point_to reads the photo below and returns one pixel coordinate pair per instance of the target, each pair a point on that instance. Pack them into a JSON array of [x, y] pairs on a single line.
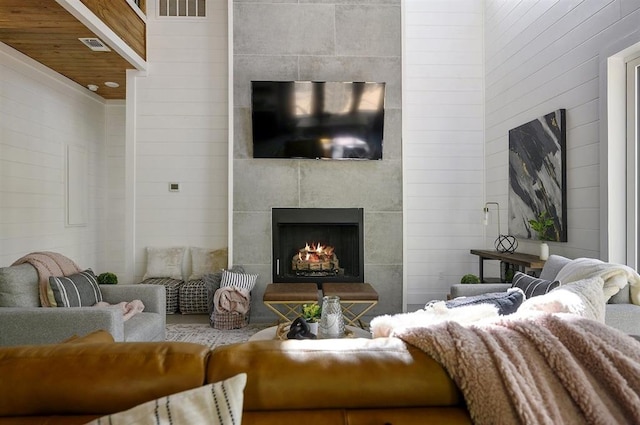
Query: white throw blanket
[[129, 309], [615, 276]]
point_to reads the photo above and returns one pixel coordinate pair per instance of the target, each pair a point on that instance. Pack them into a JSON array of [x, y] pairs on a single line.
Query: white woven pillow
[[164, 262], [218, 403]]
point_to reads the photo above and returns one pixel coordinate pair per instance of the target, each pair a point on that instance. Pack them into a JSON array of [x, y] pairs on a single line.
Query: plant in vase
[[312, 313], [541, 225]]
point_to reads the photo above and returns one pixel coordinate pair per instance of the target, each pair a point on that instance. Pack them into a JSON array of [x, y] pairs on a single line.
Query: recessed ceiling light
[[111, 84], [92, 87]]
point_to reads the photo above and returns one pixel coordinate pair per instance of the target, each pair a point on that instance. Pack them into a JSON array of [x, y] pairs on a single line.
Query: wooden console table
[[524, 262]]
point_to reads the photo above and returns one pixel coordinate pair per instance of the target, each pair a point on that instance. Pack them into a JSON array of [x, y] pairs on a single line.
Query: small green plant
[[542, 225], [311, 312], [470, 278], [107, 279]]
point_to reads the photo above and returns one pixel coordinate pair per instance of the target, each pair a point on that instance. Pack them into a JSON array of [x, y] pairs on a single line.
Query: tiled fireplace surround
[[323, 41]]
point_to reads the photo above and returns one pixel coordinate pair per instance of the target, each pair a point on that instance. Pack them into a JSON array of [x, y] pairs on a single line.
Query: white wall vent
[[95, 44], [182, 8]]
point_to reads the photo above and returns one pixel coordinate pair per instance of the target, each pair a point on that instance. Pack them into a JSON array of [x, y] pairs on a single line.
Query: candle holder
[[331, 321]]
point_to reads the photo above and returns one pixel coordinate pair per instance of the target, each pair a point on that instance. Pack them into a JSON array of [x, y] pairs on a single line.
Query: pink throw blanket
[[48, 264], [230, 299], [129, 309], [541, 369]]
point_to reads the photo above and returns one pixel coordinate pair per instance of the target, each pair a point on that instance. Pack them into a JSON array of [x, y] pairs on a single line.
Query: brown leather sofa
[[348, 381]]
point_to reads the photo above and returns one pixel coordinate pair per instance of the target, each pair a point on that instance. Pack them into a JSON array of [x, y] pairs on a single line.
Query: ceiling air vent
[[95, 44]]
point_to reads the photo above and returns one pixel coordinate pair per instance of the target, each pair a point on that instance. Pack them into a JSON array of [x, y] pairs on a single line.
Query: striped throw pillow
[[533, 286], [244, 281], [76, 290], [219, 403]]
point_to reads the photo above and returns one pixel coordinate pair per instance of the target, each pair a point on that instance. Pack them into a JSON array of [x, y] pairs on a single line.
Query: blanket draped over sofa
[[540, 369], [48, 264]]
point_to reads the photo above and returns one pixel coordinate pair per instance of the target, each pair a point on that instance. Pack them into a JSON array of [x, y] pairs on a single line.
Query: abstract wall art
[[537, 176]]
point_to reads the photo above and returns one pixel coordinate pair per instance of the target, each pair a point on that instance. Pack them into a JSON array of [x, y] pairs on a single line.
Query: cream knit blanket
[[540, 369], [48, 264]]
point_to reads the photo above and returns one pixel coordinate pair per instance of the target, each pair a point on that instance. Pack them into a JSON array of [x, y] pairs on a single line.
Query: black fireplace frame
[[312, 216]]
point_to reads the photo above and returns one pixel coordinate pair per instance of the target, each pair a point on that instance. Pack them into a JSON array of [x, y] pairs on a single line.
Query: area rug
[[204, 334]]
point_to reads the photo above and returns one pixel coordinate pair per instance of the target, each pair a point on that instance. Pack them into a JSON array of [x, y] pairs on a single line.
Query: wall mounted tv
[[318, 120]]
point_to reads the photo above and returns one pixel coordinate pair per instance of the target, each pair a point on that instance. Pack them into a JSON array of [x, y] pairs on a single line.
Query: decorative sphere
[[506, 243]]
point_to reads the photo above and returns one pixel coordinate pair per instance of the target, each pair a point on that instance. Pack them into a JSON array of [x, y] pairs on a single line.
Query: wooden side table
[[524, 262]]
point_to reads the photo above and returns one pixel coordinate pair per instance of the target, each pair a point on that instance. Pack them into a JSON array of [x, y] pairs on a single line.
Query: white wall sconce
[[503, 243]]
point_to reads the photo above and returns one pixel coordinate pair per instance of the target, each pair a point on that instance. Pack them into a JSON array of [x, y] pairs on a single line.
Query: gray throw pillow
[[507, 302], [19, 286], [533, 286], [76, 290]]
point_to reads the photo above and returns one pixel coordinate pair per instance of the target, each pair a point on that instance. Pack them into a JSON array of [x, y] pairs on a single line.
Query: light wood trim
[[123, 20]]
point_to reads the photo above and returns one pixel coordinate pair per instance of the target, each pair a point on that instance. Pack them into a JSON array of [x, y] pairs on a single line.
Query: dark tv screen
[[318, 120]]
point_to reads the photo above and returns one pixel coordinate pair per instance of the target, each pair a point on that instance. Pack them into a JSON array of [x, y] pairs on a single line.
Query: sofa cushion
[[164, 262], [217, 403], [552, 266], [205, 261], [19, 286], [76, 290], [507, 302], [622, 297], [92, 337], [533, 286]]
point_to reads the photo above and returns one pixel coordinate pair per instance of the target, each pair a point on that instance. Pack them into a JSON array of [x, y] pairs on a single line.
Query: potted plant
[[470, 278], [107, 279], [541, 225], [311, 313]]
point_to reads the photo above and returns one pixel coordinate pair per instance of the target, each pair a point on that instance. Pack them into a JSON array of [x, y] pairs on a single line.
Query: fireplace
[[317, 245]]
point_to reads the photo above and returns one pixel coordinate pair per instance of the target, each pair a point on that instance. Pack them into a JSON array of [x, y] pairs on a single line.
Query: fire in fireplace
[[318, 245], [316, 260]]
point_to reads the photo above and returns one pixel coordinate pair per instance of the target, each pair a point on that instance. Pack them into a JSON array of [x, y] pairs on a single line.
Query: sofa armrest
[[152, 296], [46, 325], [469, 290]]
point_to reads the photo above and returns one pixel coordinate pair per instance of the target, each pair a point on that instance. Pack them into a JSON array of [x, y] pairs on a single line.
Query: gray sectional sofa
[[620, 312], [24, 321]]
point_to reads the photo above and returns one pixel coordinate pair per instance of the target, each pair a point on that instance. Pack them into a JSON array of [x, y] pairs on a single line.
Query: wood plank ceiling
[[48, 33]]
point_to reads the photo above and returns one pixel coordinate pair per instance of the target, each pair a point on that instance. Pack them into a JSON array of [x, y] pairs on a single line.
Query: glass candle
[[331, 320]]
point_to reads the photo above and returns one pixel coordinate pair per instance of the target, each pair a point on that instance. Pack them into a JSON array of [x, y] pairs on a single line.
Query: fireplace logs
[[315, 258]]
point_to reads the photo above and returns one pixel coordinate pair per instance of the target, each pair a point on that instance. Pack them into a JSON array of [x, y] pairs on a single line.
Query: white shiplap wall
[[113, 239], [542, 56], [181, 134], [442, 144], [41, 113]]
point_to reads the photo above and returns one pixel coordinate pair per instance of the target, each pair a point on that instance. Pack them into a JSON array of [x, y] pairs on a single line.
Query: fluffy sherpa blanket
[[538, 369], [129, 309], [615, 276], [48, 264], [230, 299]]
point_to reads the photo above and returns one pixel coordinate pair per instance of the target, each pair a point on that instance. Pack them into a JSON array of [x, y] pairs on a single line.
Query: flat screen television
[[318, 120]]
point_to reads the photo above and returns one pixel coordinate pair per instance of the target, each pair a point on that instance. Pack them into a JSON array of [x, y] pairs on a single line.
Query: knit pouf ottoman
[[172, 287], [193, 297]]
